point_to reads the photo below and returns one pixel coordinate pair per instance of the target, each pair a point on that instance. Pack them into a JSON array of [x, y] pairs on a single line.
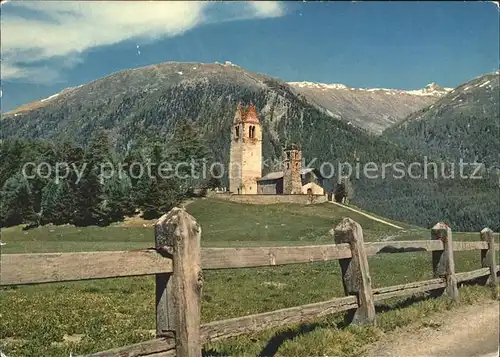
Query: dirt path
[[366, 215], [469, 332]]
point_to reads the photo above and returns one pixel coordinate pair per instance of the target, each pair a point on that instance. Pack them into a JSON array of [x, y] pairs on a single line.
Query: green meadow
[[91, 316]]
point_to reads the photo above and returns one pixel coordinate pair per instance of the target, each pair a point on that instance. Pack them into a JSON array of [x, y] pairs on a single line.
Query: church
[[245, 162]]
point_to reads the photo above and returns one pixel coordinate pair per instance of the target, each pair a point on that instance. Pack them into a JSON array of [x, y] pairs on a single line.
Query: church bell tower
[[245, 160], [292, 181]]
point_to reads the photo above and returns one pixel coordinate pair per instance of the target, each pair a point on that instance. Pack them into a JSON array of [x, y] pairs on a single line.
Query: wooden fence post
[[355, 273], [488, 256], [178, 295], [443, 263]]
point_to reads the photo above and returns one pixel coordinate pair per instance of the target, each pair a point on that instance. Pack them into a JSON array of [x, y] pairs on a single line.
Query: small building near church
[[311, 182]]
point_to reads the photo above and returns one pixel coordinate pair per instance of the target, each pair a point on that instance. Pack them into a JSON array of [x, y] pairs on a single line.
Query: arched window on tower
[[251, 132], [237, 132]]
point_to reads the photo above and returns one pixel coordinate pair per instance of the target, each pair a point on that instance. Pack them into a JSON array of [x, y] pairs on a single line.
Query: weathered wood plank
[[464, 246], [20, 269], [355, 273], [473, 274], [415, 284], [488, 256], [426, 285], [419, 245], [148, 348], [407, 289], [221, 258], [253, 323], [373, 248], [163, 354], [179, 297], [443, 263], [229, 258]]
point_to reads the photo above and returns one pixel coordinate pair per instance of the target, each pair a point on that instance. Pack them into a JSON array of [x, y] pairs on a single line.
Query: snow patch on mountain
[[49, 98], [318, 85], [484, 84], [431, 89]]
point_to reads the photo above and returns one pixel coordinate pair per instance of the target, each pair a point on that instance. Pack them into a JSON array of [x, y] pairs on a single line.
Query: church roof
[[279, 174], [246, 115], [272, 176], [252, 116]]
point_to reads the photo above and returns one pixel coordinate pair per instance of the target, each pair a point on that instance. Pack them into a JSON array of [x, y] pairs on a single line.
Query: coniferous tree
[[49, 202], [117, 193], [160, 191], [91, 207], [214, 181], [340, 192], [189, 151], [16, 202]]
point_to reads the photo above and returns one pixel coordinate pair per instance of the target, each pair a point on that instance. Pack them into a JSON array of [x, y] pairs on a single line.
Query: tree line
[[81, 194]]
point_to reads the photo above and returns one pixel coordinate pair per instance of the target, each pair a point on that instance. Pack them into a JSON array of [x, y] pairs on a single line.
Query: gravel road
[[469, 332]]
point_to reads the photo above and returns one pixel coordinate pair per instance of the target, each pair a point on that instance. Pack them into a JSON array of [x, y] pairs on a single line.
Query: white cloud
[[67, 28], [267, 8]]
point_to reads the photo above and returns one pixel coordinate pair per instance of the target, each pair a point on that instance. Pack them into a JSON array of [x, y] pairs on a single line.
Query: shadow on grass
[[273, 345], [277, 340], [407, 302]]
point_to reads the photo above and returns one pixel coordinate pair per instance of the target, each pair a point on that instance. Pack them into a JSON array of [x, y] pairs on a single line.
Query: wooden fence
[[177, 262]]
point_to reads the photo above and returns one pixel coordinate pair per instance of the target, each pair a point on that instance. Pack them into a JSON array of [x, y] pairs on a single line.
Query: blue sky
[[52, 45]]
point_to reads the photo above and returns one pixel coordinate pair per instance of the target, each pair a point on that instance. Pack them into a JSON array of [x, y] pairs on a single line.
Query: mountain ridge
[[372, 109], [431, 89], [133, 106]]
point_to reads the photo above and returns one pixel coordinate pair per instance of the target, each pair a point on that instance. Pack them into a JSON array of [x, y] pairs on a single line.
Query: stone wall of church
[[259, 199]]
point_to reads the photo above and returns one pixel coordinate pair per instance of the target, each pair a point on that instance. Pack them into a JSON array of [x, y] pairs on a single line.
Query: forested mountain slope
[[134, 106], [373, 109], [465, 124]]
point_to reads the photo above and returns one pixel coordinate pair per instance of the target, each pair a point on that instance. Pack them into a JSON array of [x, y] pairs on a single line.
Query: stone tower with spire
[[292, 182], [245, 159]]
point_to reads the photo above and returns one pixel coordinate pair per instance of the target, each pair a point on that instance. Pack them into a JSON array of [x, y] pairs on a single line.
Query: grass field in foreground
[[83, 317]]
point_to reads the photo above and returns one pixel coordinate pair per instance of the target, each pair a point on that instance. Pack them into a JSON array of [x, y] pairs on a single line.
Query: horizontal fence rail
[[23, 269], [159, 347], [62, 267]]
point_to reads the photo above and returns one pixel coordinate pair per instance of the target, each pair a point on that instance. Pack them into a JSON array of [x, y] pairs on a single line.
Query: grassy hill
[[223, 224]]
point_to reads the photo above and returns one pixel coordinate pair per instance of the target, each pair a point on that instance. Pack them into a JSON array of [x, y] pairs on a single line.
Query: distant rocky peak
[[434, 87]]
